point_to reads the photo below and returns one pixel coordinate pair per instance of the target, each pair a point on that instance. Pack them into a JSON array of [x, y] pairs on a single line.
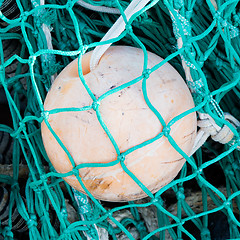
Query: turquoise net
[[201, 37]]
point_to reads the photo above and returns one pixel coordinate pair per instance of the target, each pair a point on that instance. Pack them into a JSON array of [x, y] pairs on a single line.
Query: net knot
[[217, 15], [69, 5], [7, 232], [110, 230], [188, 49], [75, 172], [178, 4], [140, 226], [199, 172], [35, 32], [128, 28], [121, 157], [236, 18], [16, 134], [205, 233], [236, 73], [1, 69], [189, 14], [24, 16], [180, 194], [15, 186], [182, 221], [166, 130], [219, 63], [109, 213], [228, 170], [227, 204], [220, 19], [146, 73], [157, 200], [32, 221], [32, 59], [64, 213], [38, 22], [95, 105], [17, 87], [42, 218], [45, 115], [223, 22]]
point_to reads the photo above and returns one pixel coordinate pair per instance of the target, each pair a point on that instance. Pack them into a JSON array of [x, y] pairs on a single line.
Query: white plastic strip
[[117, 28], [95, 8]]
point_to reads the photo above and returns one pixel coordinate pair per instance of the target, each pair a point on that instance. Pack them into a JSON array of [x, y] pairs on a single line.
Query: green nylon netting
[[209, 32]]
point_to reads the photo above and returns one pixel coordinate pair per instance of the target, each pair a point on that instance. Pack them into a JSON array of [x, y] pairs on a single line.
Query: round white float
[[129, 120]]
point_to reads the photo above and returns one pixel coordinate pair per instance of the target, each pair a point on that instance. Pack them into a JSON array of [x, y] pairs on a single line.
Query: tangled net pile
[[199, 38]]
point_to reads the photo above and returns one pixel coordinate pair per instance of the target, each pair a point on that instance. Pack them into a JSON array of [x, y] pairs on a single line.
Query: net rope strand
[[199, 38]]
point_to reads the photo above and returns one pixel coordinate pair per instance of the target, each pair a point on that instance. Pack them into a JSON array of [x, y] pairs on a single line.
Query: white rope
[[208, 127], [117, 28], [95, 8]]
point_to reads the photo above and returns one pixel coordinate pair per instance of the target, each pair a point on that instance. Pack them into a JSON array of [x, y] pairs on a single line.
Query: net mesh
[[199, 38]]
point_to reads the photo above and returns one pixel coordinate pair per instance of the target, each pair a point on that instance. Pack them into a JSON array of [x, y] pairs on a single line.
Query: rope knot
[[220, 19], [219, 63], [17, 134], [166, 130], [236, 18], [217, 15], [32, 59], [227, 204], [45, 115], [121, 158], [128, 28], [32, 221], [110, 230], [7, 232], [24, 16], [42, 218], [95, 105], [75, 172], [205, 233], [178, 4], [15, 186], [38, 22], [1, 69], [180, 194], [157, 200], [189, 14], [64, 213], [140, 226], [222, 134], [69, 5], [146, 73]]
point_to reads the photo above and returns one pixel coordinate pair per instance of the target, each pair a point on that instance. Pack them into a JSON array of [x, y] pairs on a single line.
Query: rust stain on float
[[98, 183]]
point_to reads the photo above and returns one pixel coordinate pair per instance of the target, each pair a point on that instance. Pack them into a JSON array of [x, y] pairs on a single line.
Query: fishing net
[[38, 39]]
